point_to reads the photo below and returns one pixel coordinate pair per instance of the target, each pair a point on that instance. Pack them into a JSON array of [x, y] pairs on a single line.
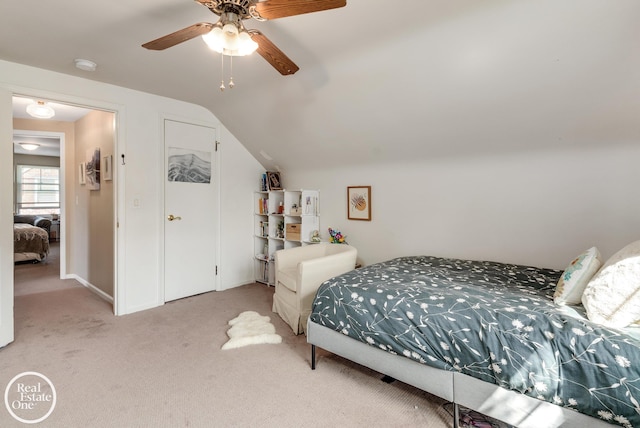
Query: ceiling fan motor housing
[[245, 9]]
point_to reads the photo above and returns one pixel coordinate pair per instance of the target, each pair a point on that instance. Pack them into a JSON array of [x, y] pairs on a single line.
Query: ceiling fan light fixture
[[41, 110], [247, 45], [230, 30], [224, 43], [229, 37], [214, 39], [230, 41]]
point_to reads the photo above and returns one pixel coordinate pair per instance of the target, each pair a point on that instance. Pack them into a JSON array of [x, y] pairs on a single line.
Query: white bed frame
[[462, 390]]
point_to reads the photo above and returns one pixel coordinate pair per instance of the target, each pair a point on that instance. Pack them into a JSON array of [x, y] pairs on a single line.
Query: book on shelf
[[263, 206]]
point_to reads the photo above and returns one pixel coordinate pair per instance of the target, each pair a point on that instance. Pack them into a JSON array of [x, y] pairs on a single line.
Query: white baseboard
[[238, 284], [139, 308], [91, 287]]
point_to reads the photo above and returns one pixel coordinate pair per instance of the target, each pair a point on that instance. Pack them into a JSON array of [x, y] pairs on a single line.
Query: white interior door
[[191, 210]]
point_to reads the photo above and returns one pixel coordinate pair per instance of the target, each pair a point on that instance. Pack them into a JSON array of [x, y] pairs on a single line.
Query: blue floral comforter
[[493, 321]]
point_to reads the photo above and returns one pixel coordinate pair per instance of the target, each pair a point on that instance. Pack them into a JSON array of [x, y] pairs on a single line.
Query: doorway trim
[[119, 294], [63, 190]]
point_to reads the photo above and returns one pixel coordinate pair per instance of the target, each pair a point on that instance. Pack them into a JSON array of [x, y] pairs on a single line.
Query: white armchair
[[299, 273]]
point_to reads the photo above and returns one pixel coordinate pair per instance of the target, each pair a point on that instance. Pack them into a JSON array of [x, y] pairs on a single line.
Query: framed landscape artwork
[[359, 203], [189, 166]]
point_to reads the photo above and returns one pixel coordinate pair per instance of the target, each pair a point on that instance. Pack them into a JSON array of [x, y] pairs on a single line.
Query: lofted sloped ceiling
[[379, 81]]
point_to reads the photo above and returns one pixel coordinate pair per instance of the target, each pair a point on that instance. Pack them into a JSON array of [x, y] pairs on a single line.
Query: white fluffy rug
[[250, 328]]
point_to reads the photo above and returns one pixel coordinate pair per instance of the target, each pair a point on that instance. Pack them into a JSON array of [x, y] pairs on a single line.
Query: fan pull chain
[[231, 84], [222, 73]]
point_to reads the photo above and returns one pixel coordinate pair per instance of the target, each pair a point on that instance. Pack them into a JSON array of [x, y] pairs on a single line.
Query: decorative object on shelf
[[315, 236], [336, 237], [264, 229], [263, 183], [293, 232], [280, 229], [295, 210], [359, 203], [273, 180], [311, 205]]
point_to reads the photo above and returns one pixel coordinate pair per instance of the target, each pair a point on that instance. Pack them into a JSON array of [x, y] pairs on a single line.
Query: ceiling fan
[[229, 36]]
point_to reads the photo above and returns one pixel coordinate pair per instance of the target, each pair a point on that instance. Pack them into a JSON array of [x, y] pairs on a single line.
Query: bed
[[484, 335], [30, 243]]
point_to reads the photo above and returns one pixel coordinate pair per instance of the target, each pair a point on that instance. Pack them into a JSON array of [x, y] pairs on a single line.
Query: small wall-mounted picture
[[82, 177], [359, 203], [273, 180], [189, 166], [92, 168], [108, 165]]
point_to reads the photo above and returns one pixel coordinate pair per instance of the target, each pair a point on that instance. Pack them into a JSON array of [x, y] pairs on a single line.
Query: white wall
[[139, 137], [6, 220], [241, 177], [538, 208]]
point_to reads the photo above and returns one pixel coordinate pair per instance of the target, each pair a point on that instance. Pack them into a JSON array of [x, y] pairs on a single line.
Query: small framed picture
[[273, 180], [359, 203], [108, 174], [82, 174]]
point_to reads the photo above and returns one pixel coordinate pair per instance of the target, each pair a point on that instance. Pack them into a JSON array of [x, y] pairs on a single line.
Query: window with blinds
[[37, 189]]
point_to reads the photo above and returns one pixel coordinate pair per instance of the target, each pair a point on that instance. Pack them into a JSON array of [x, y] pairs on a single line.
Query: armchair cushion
[[299, 273], [288, 278]]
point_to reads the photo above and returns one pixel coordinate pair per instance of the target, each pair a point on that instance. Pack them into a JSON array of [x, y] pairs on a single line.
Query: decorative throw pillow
[[612, 297], [576, 277]]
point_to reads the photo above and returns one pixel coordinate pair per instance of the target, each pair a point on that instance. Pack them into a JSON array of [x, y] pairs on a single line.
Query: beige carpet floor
[[31, 278], [164, 368]]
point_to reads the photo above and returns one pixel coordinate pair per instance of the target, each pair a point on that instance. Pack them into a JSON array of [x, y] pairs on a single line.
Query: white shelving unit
[[282, 219]]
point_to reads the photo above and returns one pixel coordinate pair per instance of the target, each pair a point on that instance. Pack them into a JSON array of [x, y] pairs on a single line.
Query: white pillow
[[612, 297], [576, 277]]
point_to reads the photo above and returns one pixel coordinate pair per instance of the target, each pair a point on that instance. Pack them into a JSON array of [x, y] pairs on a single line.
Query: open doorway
[[81, 233]]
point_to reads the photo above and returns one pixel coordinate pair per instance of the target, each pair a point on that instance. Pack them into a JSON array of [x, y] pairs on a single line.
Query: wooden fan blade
[[273, 9], [272, 54], [179, 36]]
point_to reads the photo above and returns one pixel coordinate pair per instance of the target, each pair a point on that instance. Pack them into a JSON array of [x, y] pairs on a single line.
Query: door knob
[[171, 217]]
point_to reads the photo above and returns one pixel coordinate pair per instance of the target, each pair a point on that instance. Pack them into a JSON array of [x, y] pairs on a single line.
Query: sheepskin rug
[[250, 328]]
